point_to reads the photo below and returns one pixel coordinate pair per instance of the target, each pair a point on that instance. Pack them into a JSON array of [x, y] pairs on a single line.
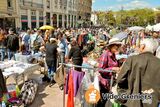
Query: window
[[41, 14], [9, 3], [60, 4], [48, 3], [23, 12], [33, 13], [56, 3], [22, 2]]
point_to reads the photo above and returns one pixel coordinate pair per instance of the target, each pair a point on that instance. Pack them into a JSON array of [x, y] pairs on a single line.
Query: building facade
[[84, 10], [31, 13], [94, 18], [35, 13], [8, 13]]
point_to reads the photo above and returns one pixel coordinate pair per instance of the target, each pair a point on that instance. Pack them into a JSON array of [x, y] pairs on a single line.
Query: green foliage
[[158, 17], [106, 18], [136, 17]]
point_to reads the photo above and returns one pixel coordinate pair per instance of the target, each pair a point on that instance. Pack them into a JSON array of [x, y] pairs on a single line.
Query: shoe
[[53, 81], [45, 78], [48, 80], [61, 87]]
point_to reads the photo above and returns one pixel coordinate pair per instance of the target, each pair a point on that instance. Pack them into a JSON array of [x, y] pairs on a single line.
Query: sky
[[126, 4]]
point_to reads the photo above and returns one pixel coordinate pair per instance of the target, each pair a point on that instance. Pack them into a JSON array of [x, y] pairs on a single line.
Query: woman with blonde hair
[[47, 36]]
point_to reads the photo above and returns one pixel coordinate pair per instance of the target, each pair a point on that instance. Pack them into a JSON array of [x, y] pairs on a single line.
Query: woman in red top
[[108, 61]]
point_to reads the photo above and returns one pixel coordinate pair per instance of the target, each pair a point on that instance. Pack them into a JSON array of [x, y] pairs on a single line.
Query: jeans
[[50, 72], [62, 57], [51, 69], [11, 54], [2, 51]]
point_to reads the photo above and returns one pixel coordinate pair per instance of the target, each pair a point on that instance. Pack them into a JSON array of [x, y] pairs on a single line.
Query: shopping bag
[[13, 90], [86, 82], [28, 92], [60, 75], [96, 82], [116, 104]]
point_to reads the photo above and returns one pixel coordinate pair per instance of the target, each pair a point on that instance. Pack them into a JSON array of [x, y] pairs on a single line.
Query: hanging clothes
[[70, 102], [77, 79], [88, 80]]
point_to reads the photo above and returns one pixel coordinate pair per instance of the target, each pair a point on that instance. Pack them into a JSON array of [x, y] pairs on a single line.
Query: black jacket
[[51, 53], [13, 42], [140, 73], [75, 53]]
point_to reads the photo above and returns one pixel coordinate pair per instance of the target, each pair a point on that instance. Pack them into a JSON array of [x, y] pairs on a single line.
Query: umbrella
[[135, 28], [46, 27], [121, 36], [156, 27]]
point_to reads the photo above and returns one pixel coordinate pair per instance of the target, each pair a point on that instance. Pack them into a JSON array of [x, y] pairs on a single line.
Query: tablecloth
[[20, 70]]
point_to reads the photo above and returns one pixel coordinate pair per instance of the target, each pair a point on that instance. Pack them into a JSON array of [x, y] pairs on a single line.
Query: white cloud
[[130, 5], [93, 1], [136, 4]]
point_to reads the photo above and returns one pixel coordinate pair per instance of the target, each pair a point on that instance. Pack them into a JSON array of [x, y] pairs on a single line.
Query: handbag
[[28, 92]]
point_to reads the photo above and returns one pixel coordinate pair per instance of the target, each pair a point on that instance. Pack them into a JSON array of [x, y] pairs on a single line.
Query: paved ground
[[46, 96]]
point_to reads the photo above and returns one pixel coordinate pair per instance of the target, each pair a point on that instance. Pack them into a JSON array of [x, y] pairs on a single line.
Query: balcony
[[10, 9], [31, 4]]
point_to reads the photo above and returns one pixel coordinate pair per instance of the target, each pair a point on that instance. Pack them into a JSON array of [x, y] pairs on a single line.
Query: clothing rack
[[92, 68]]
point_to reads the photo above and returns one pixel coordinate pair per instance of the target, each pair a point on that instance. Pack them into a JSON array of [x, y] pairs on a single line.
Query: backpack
[[13, 42], [28, 92], [36, 44]]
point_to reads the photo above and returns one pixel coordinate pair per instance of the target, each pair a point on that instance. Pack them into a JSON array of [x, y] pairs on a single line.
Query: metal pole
[[92, 68]]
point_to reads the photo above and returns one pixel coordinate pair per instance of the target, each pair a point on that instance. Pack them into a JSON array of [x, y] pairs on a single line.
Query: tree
[[136, 17], [157, 17], [106, 18]]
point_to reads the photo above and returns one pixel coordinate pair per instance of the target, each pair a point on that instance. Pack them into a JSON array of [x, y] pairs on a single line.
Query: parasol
[[46, 27], [121, 36]]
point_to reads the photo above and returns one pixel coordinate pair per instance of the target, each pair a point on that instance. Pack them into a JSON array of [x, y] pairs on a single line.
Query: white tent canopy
[[156, 27], [136, 28], [149, 27]]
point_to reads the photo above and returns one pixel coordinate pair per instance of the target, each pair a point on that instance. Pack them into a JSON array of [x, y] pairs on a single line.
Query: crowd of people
[[134, 75]]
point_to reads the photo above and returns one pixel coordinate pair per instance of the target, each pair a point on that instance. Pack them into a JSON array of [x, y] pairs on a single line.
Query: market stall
[[17, 69]]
